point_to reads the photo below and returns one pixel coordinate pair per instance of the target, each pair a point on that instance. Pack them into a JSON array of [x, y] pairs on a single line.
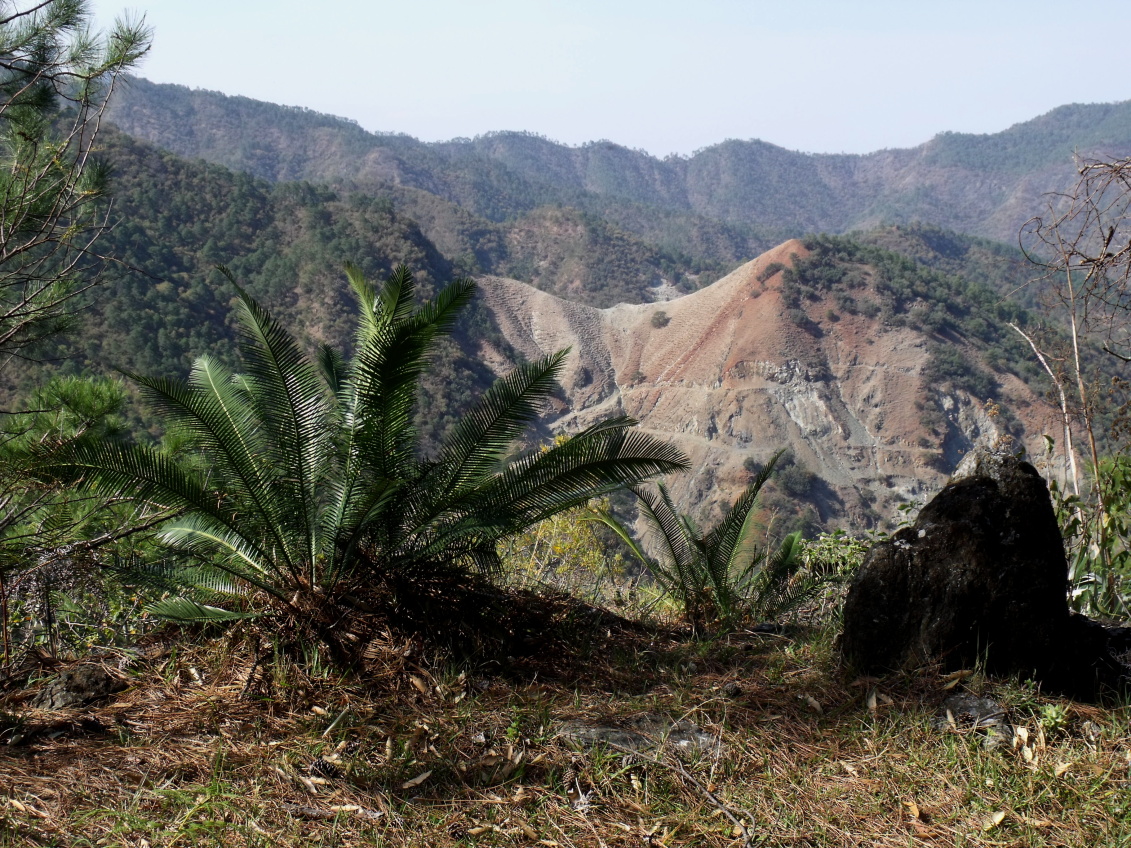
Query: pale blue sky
[[664, 76]]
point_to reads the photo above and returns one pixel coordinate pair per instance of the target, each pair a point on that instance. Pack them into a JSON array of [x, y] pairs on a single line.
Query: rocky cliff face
[[728, 373]]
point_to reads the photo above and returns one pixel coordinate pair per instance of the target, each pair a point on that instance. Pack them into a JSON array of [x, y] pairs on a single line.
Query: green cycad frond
[[138, 472], [233, 551], [188, 611], [333, 368], [217, 413], [479, 442], [776, 589], [601, 459], [722, 573], [366, 296], [218, 423], [732, 544], [376, 444], [397, 298], [674, 565], [350, 525], [179, 577], [291, 407], [385, 375]]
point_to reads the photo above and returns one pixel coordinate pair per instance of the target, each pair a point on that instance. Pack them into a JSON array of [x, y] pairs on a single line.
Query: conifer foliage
[[56, 80]]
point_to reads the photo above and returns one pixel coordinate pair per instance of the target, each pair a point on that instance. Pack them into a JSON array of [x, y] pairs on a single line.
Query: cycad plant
[[309, 500], [720, 576]]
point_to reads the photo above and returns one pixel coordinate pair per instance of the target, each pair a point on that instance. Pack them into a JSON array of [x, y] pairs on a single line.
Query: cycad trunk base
[[307, 500]]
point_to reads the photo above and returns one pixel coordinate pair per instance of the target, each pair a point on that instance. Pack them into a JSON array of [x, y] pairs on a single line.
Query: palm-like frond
[[478, 444], [215, 410], [387, 366], [778, 588], [189, 611], [675, 565], [723, 573], [291, 408], [311, 489], [732, 542], [600, 459]]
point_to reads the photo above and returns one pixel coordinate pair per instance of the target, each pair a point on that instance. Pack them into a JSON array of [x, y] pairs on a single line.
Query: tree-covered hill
[[984, 185], [287, 242]]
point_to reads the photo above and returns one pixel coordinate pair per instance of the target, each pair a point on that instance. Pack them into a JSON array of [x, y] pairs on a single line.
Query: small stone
[[970, 713], [640, 733], [78, 687]]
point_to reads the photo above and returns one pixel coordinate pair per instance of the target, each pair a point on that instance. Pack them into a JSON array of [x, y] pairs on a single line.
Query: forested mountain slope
[[985, 185], [175, 220], [931, 327]]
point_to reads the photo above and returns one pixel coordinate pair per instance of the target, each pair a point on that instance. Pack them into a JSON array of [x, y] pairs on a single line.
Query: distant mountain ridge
[[918, 306], [985, 185]]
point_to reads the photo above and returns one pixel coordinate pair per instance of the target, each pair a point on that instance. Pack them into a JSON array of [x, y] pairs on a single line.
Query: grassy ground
[[192, 756]]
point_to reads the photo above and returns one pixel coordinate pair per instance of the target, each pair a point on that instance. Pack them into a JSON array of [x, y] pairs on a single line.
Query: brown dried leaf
[[956, 677], [416, 781], [993, 820]]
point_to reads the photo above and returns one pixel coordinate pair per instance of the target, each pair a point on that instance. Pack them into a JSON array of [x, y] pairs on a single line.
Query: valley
[[662, 277]]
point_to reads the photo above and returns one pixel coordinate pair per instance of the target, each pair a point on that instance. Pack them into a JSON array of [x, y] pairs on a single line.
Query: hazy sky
[[667, 77]]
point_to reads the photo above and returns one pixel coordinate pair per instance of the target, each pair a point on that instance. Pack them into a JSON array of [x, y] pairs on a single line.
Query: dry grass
[[186, 758]]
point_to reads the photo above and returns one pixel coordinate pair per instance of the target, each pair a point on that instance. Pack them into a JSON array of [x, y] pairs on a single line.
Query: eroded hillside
[[732, 373]]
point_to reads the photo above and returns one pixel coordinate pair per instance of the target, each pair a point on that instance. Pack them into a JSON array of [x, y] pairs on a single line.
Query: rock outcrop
[[979, 579]]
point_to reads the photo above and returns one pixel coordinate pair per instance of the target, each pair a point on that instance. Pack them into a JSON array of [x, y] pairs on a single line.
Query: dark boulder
[[980, 578]]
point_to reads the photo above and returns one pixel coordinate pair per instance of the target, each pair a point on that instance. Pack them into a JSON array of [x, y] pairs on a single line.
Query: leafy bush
[[1098, 541], [795, 479], [769, 271]]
